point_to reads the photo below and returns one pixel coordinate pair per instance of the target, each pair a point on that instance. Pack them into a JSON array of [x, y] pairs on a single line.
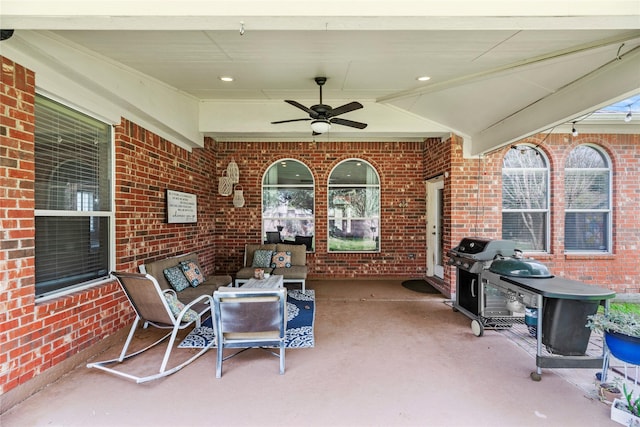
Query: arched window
[[354, 208], [525, 198], [587, 191], [288, 204]]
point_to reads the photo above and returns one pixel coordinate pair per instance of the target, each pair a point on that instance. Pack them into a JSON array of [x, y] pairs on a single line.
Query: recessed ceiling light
[[226, 78], [423, 78]]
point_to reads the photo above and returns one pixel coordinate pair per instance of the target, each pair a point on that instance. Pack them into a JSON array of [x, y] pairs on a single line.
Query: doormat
[[300, 318], [420, 285]]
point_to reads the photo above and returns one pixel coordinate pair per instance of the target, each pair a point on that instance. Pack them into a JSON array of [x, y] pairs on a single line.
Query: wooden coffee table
[[272, 282]]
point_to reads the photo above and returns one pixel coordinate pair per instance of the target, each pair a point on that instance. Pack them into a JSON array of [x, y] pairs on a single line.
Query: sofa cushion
[[293, 272], [298, 253], [211, 283], [192, 272], [262, 258], [281, 260], [250, 249], [176, 278], [177, 306]]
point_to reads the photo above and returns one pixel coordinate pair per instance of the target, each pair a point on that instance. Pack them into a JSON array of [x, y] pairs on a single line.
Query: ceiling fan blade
[[292, 120], [350, 123], [309, 111], [344, 109]]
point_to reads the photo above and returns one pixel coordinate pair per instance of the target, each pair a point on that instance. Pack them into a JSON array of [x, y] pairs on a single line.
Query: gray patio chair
[[249, 318], [152, 308]]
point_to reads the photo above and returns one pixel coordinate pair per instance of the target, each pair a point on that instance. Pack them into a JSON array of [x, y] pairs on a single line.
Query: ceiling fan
[[322, 116]]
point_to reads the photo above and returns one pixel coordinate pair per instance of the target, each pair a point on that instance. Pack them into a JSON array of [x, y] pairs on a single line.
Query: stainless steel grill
[[487, 304]]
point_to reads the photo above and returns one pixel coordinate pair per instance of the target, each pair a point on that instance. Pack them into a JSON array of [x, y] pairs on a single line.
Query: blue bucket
[[623, 347]]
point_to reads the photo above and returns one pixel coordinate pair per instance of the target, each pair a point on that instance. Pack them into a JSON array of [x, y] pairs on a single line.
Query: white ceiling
[[500, 70]]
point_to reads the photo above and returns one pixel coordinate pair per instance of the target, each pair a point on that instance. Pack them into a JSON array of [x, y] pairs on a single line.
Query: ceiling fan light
[[320, 126]]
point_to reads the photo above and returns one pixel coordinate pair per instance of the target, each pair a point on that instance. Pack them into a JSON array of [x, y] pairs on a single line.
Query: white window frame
[[378, 186], [110, 214], [547, 211], [311, 186], [608, 210]]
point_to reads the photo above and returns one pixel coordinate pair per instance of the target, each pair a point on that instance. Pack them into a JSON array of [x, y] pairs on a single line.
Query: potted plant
[[621, 332], [626, 411], [609, 392]]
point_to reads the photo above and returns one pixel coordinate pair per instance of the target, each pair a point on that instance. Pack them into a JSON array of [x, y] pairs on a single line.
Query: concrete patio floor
[[384, 356]]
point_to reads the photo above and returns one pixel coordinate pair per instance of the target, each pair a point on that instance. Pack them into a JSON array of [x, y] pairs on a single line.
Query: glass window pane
[[587, 200], [586, 231], [72, 154], [70, 250], [525, 198], [523, 156], [354, 202], [354, 208], [72, 175], [584, 156], [288, 172], [353, 235], [524, 189], [586, 189], [288, 201], [353, 172], [527, 229]]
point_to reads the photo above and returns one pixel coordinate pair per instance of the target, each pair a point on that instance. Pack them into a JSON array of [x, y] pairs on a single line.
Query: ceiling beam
[[621, 76]]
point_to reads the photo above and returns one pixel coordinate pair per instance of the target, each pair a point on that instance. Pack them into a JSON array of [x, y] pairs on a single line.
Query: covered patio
[[383, 355]]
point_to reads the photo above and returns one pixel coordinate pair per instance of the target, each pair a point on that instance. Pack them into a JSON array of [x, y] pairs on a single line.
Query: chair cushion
[[176, 278], [281, 259], [262, 258], [176, 307], [192, 272]]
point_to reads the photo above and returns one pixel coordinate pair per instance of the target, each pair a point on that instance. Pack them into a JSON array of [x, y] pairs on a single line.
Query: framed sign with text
[[181, 207]]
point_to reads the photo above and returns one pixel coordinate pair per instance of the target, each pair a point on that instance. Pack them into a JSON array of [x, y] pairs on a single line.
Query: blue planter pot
[[623, 347]]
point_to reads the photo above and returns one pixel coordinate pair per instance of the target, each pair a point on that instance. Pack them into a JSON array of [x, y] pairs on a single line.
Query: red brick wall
[[39, 336], [146, 166], [479, 213], [620, 270], [402, 230]]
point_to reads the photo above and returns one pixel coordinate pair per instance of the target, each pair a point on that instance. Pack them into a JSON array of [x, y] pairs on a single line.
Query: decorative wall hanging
[[238, 197], [181, 207], [225, 186], [232, 172]]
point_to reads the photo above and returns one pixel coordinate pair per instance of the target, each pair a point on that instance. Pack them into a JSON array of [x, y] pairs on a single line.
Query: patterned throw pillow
[[261, 258], [192, 272], [281, 259], [176, 278], [176, 307]]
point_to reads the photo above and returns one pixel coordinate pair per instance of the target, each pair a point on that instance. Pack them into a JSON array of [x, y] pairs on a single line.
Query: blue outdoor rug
[[300, 317]]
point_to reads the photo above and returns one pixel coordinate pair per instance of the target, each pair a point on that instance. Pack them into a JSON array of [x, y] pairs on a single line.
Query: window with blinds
[[587, 190], [525, 198], [72, 197]]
